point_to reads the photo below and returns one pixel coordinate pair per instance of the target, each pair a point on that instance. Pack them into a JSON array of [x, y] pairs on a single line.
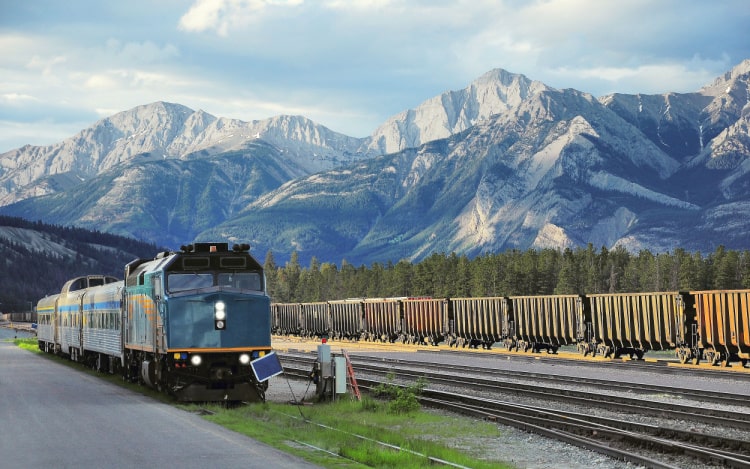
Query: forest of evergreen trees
[[29, 275], [531, 272]]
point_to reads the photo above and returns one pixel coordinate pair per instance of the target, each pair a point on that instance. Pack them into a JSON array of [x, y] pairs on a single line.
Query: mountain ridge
[[506, 162]]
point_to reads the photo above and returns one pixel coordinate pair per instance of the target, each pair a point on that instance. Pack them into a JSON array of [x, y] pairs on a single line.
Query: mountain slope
[[169, 200]]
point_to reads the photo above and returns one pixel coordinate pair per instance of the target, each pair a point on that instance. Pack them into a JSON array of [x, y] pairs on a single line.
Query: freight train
[[701, 325], [189, 323]]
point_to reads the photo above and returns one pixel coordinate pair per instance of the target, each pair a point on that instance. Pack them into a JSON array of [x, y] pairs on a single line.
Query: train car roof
[[87, 281]]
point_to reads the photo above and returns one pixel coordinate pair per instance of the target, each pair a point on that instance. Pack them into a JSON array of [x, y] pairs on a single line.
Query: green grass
[[29, 343], [350, 434]]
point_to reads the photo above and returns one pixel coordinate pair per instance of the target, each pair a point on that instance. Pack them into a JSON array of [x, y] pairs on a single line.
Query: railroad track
[[619, 438], [488, 378]]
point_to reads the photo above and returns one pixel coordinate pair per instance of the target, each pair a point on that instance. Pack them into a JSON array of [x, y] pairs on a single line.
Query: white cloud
[[222, 16], [11, 99], [347, 64]]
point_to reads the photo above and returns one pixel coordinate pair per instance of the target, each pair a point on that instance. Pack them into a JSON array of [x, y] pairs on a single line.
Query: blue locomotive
[[188, 323]]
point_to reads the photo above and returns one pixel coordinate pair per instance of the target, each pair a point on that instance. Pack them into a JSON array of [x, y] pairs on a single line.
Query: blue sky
[[348, 65]]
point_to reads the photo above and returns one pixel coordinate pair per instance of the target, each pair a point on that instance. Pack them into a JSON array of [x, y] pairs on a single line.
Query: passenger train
[[712, 326], [188, 323]]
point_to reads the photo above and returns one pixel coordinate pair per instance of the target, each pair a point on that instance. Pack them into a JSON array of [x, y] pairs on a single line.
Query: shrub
[[403, 399]]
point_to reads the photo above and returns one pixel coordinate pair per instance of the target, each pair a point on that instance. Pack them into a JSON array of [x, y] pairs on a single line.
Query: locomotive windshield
[[182, 281]]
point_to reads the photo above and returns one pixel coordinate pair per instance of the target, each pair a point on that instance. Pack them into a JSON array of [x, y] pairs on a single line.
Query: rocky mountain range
[[506, 163]]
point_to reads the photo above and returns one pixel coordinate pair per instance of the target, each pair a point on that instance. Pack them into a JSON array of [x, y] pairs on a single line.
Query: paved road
[[55, 416]]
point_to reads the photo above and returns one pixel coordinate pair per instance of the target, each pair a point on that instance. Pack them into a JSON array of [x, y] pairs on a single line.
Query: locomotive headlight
[[244, 359], [220, 315], [220, 312], [196, 360]]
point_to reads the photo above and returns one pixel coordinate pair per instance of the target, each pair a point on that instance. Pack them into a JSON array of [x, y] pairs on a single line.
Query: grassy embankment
[[351, 434]]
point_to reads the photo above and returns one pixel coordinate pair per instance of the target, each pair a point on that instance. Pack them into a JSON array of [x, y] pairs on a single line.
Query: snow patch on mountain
[[612, 183]]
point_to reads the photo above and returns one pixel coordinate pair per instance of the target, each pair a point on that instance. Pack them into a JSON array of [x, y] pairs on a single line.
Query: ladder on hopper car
[[351, 381]]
